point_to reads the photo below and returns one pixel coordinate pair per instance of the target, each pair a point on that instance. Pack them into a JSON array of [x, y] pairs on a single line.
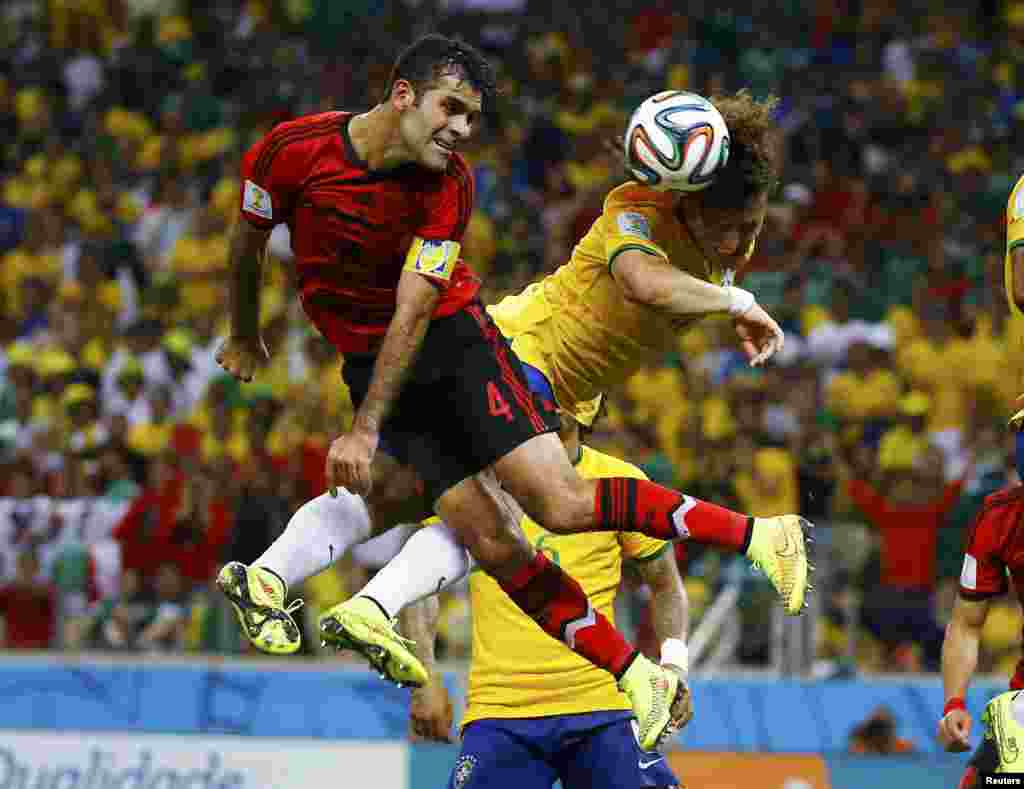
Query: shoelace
[[294, 606]]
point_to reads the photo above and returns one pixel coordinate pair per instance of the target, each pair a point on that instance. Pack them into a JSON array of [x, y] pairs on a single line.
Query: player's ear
[[403, 95]]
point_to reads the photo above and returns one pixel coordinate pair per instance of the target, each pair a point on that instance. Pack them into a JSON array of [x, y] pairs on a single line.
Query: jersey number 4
[[497, 404]]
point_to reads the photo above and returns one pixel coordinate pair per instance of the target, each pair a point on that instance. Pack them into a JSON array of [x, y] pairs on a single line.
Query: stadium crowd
[[132, 467]]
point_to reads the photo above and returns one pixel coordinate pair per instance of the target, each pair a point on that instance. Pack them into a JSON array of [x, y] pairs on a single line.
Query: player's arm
[[243, 351], [269, 175], [417, 297], [430, 708], [350, 456], [670, 614], [959, 660], [650, 280]]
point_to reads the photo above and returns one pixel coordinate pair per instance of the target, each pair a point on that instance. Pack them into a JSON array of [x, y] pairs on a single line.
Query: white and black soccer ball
[[676, 141]]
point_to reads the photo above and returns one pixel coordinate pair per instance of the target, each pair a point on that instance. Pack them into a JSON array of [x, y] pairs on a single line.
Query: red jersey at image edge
[[352, 227], [995, 549]]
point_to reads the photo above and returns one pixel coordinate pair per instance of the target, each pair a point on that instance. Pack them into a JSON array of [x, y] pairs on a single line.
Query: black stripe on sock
[[749, 535]]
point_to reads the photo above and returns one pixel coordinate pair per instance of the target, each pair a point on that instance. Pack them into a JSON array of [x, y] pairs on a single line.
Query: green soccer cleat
[[257, 595], [1004, 725], [359, 624], [653, 692], [777, 549]]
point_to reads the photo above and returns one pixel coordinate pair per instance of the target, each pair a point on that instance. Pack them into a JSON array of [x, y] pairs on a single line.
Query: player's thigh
[[486, 526], [609, 758], [539, 475], [494, 758], [491, 407]]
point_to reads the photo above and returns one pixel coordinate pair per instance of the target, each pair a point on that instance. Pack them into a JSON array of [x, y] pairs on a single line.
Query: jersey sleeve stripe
[[626, 247], [651, 556], [274, 146]]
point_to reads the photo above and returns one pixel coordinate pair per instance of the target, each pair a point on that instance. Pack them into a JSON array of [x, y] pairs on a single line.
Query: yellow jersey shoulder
[[635, 195], [1015, 215], [596, 465]]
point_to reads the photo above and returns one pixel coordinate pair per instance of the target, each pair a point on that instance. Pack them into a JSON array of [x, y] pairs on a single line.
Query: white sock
[[431, 561], [318, 534]]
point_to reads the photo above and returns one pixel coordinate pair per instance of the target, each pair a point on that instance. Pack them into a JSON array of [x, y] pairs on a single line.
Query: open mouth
[[444, 146]]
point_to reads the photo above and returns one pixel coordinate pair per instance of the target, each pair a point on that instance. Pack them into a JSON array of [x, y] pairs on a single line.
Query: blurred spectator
[[28, 606], [877, 736], [114, 622], [166, 631], [907, 516]]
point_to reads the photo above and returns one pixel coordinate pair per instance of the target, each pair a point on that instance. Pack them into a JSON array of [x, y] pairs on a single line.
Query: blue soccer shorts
[[590, 751]]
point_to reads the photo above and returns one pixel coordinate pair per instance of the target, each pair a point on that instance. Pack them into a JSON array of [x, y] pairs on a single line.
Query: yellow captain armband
[[435, 259]]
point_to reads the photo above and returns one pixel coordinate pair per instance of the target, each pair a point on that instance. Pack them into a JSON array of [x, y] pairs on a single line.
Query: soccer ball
[[676, 141]]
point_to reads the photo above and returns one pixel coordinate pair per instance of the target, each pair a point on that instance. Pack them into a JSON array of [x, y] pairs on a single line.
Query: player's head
[[440, 87], [726, 217]]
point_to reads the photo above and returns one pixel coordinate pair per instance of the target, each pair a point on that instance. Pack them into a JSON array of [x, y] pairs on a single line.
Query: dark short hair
[[433, 56]]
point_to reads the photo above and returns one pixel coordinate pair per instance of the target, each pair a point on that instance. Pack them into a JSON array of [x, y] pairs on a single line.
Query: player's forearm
[[398, 352], [419, 622], [959, 658], [670, 609], [669, 290], [246, 279]]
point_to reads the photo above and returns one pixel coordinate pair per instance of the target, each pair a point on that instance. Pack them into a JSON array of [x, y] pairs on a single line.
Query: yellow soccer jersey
[[518, 671], [1014, 238], [577, 327]]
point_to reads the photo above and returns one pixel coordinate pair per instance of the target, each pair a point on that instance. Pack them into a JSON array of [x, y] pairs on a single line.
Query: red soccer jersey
[[995, 547], [352, 228]]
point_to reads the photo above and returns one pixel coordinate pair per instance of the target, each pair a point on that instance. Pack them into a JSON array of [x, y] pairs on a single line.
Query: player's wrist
[[675, 653], [955, 703], [740, 301]]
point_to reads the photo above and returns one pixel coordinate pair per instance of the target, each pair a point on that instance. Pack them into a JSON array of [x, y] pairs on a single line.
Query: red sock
[[626, 504], [557, 603]]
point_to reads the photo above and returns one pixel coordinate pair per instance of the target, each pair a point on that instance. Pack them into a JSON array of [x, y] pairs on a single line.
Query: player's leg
[[540, 477], [500, 754], [608, 756], [431, 560], [318, 534]]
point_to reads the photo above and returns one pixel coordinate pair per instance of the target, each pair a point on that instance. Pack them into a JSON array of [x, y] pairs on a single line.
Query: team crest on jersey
[[463, 770], [1018, 204], [256, 200], [633, 224], [969, 572], [433, 258]]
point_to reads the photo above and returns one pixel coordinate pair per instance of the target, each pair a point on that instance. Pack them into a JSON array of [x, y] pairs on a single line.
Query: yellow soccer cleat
[[1004, 725], [359, 624], [653, 692], [777, 549], [257, 595]]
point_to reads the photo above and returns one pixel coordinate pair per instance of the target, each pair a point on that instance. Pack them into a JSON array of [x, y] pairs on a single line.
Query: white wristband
[[740, 301], [675, 653]]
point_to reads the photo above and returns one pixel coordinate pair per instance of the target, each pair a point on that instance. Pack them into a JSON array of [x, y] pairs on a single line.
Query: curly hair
[[433, 56], [753, 165]]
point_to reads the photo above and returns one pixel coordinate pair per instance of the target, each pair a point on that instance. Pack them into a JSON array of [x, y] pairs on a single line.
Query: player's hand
[[682, 709], [241, 356], [349, 461], [955, 731], [430, 713], [760, 336]]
